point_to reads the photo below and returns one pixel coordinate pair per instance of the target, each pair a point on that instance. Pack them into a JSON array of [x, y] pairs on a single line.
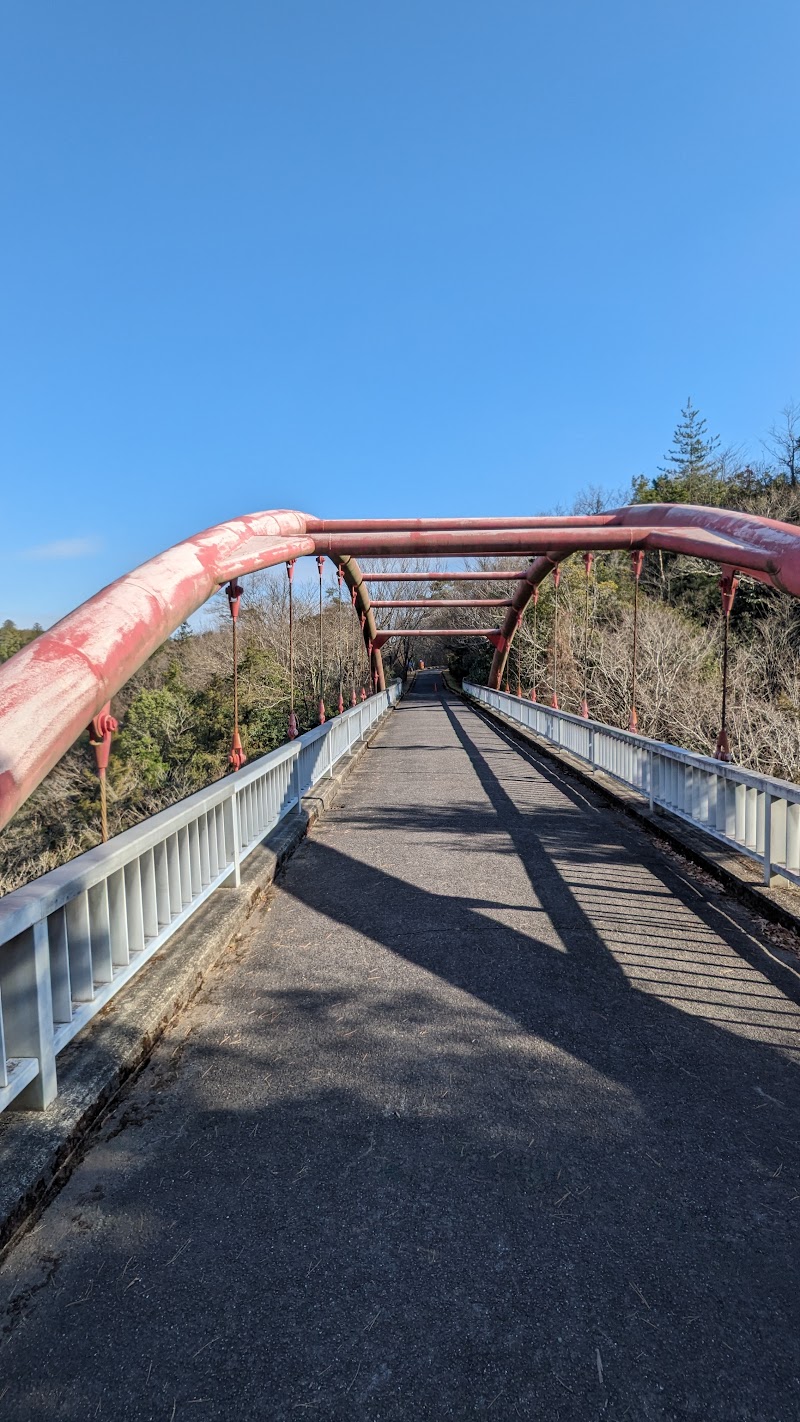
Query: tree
[[12, 638], [784, 443], [695, 472], [596, 499], [692, 457]]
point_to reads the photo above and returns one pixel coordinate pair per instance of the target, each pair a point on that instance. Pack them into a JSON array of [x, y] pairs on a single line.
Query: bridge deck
[[493, 1112]]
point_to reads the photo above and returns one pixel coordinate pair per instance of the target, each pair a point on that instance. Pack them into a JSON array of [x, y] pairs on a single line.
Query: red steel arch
[[50, 690]]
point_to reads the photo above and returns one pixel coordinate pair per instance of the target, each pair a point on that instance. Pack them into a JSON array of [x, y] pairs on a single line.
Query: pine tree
[[692, 461]]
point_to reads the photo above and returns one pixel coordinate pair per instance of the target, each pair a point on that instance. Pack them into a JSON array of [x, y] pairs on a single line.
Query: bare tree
[[784, 442]]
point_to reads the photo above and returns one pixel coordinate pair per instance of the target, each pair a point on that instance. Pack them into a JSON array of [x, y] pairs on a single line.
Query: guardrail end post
[[28, 1016]]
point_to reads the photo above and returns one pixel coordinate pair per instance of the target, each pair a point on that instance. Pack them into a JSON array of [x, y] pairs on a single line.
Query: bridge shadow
[[436, 1144], [665, 1129], [553, 844]]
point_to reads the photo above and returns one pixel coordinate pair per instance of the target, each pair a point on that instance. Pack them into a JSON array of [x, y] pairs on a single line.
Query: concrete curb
[[738, 874], [38, 1150]]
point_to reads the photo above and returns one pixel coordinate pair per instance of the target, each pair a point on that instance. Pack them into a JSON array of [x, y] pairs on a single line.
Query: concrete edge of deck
[[738, 874], [39, 1150]]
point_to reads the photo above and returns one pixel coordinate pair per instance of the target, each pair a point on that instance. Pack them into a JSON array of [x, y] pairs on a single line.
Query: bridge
[[491, 1108]]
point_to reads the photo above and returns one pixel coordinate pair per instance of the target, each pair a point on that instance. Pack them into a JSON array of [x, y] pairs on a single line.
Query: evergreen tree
[[694, 472], [691, 460]]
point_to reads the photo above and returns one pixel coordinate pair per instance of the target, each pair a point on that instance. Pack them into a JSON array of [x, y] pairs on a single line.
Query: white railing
[[750, 813], [71, 939]]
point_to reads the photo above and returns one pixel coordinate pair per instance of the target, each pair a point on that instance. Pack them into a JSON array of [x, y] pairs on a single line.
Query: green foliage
[[176, 722], [12, 638], [156, 735]]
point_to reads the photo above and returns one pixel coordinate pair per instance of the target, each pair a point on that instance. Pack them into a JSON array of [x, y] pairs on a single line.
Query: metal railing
[[752, 814], [70, 940]]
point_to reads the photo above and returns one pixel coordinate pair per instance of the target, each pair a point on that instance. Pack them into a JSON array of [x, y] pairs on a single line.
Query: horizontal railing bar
[[125, 899], [83, 1012], [754, 813], [786, 788], [23, 907]]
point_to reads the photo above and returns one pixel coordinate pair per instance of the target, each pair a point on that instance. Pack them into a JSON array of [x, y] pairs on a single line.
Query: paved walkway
[[494, 1112]]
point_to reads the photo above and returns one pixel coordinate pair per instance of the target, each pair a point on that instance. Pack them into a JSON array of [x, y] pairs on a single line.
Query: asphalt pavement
[[492, 1111]]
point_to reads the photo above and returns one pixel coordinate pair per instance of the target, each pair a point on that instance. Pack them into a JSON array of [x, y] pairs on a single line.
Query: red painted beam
[[445, 576], [416, 525], [453, 543], [448, 602], [385, 633], [560, 543]]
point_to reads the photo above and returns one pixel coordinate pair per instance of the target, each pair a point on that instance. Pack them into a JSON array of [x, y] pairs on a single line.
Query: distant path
[[494, 1113]]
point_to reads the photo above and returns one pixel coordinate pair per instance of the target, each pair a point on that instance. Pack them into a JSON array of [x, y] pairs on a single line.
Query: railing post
[[296, 780], [29, 1012], [767, 838], [237, 841], [230, 813], [591, 748], [650, 777]]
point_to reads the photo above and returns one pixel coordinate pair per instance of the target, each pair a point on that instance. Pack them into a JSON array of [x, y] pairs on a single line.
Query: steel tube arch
[[536, 574], [354, 579], [51, 689]]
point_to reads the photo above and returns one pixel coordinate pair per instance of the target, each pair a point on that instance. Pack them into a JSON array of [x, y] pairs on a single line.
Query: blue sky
[[373, 258]]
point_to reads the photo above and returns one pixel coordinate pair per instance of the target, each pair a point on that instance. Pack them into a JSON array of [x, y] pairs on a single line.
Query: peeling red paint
[[51, 689]]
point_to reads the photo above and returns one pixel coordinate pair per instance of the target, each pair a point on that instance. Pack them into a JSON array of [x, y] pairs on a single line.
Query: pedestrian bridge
[[491, 1107], [493, 1112]]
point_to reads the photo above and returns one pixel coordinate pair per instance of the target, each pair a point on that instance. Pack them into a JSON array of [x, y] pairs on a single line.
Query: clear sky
[[363, 258]]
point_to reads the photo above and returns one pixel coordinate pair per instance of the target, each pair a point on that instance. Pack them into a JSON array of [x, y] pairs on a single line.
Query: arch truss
[[64, 680]]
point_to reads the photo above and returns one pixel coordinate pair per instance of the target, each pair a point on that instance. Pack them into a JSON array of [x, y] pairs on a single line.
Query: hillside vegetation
[[679, 672]]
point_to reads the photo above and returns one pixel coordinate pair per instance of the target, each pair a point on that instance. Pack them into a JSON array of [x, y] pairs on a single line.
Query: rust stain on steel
[[355, 580]]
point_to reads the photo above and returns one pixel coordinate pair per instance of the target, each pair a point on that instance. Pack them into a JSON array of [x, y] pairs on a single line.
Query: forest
[[176, 713]]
